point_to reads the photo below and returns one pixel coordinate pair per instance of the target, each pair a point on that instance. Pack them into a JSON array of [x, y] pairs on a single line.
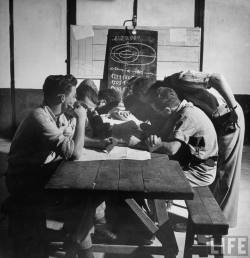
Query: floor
[[238, 234]]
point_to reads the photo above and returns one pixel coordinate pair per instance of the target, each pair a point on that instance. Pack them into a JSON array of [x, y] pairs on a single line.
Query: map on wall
[[130, 56]]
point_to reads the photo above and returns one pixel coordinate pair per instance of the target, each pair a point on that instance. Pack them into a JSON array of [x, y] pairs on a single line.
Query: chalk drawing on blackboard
[[133, 54], [134, 72]]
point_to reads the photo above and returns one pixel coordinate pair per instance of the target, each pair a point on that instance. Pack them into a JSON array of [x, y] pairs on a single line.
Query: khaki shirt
[[196, 130]]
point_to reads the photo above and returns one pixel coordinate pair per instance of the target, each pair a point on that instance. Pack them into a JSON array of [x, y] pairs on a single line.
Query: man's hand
[[80, 112], [153, 142], [108, 141]]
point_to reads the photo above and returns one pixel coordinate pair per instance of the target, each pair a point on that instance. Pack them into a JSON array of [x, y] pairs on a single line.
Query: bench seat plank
[[205, 213]]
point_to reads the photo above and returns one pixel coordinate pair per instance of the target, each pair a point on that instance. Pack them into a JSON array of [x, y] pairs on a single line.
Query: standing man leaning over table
[[42, 137]]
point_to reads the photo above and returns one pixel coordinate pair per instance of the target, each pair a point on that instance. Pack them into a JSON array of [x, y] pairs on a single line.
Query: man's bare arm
[[219, 83], [154, 142]]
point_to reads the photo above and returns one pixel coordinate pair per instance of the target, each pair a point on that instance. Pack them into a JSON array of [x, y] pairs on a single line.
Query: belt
[[211, 161]]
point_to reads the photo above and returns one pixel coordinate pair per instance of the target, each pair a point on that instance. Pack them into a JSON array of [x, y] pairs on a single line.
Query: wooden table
[[158, 178]]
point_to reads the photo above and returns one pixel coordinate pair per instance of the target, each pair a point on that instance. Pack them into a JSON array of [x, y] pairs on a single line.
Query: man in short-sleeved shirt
[[188, 136], [194, 129]]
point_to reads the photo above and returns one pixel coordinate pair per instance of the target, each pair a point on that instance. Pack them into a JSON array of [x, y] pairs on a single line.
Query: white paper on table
[[82, 31], [118, 152], [112, 121], [137, 154]]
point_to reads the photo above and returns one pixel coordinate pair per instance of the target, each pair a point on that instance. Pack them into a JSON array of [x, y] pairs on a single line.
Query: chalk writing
[[130, 56], [129, 38]]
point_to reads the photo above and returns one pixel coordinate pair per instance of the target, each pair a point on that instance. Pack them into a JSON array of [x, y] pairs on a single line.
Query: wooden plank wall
[[178, 49]]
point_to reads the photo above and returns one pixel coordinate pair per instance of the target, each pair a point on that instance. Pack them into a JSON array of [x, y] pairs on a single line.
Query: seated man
[[108, 99], [96, 131], [90, 83], [95, 137], [98, 134], [188, 135], [111, 105], [135, 101], [40, 140]]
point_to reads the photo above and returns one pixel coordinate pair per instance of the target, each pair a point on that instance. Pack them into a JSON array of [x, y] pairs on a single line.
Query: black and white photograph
[[124, 128]]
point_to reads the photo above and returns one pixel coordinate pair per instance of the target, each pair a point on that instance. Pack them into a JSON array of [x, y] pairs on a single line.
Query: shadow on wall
[[26, 100], [3, 168]]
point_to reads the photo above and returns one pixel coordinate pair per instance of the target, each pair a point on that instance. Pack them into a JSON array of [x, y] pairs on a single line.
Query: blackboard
[[130, 55]]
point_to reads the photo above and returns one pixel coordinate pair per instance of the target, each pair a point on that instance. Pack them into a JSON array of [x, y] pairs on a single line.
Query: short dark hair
[[163, 97], [90, 83], [130, 101], [58, 84], [141, 85], [172, 80], [110, 95], [85, 91]]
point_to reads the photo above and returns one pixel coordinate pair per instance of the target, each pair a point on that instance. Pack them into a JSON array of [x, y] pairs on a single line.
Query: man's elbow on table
[[75, 156], [67, 149], [77, 152], [171, 147]]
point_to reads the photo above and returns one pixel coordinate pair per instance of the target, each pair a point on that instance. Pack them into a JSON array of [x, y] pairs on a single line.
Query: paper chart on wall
[[118, 152], [178, 35], [82, 32]]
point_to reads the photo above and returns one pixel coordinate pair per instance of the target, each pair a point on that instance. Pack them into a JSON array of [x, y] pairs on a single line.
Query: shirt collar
[[183, 104], [59, 120], [50, 112]]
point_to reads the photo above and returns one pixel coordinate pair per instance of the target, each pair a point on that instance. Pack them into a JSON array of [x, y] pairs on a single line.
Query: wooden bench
[[205, 218]]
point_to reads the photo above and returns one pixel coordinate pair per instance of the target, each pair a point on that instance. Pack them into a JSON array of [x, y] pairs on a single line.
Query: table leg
[[165, 233], [142, 215]]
